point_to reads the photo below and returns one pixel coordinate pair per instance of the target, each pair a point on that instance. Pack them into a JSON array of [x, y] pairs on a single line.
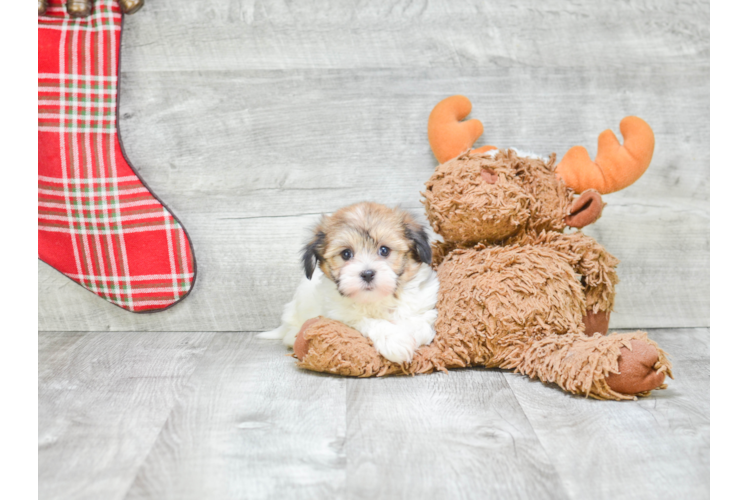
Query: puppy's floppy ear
[[312, 252], [419, 240]]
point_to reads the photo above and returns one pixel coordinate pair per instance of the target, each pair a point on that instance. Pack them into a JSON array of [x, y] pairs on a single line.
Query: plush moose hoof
[[596, 322], [638, 370], [301, 344]]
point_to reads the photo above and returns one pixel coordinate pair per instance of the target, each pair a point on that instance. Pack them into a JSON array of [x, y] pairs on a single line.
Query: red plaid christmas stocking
[[98, 222]]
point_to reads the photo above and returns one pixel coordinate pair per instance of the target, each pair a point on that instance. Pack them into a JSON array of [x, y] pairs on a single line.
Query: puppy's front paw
[[397, 348]]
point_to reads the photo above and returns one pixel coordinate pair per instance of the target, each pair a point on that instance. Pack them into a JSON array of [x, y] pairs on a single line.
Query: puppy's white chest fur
[[396, 325]]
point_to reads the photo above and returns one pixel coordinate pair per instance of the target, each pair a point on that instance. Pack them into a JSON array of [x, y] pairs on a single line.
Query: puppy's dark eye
[[384, 251], [346, 254]]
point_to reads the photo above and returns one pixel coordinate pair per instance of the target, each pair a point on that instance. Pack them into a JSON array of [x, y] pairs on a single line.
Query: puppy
[[367, 266]]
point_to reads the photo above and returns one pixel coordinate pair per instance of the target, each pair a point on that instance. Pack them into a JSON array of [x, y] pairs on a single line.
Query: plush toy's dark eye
[[384, 251], [346, 254]]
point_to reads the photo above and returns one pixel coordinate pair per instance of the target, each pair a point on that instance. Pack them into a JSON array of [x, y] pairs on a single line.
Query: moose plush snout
[[458, 190]]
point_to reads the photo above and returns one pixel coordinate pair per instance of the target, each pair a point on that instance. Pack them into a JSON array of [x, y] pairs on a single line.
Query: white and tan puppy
[[373, 275]]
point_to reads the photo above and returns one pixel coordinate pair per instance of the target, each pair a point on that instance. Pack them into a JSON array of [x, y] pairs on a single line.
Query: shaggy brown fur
[[514, 290], [524, 196], [577, 363]]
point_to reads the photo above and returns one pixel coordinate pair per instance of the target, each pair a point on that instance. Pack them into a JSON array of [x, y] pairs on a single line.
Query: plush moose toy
[[516, 291]]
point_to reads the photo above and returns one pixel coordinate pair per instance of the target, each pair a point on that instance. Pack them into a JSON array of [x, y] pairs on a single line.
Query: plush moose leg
[[597, 268], [328, 346], [617, 366]]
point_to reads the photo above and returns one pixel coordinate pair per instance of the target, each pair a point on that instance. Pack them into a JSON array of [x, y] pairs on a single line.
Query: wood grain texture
[[656, 447], [250, 425], [103, 399], [249, 159], [455, 436], [226, 415], [249, 118], [274, 34]]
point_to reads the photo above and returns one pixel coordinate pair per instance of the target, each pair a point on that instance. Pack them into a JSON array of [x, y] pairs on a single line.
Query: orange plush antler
[[448, 135], [616, 166]]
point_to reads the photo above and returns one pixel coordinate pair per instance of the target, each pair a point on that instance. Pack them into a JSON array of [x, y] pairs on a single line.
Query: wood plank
[[246, 161], [656, 447], [54, 347], [273, 34], [103, 398], [244, 422], [460, 435], [251, 425], [261, 143]]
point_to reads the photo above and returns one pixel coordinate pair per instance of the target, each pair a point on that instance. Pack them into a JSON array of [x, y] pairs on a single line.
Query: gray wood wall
[[251, 118]]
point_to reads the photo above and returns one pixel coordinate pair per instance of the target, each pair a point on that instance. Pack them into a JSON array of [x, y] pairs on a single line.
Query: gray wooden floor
[[250, 118], [226, 415]]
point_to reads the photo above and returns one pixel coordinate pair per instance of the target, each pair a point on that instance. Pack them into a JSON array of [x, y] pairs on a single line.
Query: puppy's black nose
[[367, 275]]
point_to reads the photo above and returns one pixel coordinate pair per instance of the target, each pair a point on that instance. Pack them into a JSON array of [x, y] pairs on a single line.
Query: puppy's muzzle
[[368, 275]]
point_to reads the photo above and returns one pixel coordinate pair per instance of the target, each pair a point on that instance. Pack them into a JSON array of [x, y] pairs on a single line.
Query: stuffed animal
[[516, 292]]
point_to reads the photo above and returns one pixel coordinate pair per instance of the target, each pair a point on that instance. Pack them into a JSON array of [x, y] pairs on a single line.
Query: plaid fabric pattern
[[98, 223]]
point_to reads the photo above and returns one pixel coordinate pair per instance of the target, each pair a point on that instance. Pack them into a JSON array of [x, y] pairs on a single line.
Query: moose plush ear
[[585, 210], [419, 240], [312, 253]]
